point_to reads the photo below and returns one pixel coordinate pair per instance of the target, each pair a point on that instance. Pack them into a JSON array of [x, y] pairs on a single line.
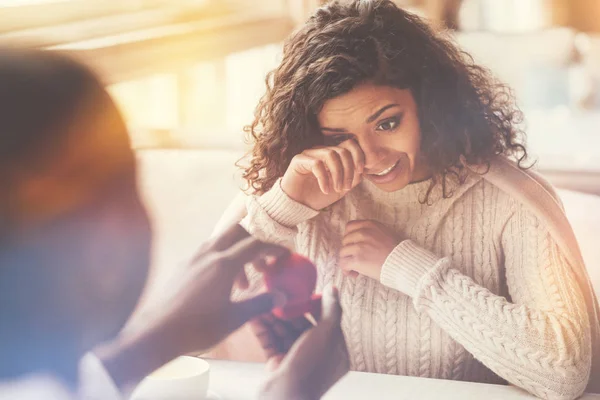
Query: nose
[[374, 152]]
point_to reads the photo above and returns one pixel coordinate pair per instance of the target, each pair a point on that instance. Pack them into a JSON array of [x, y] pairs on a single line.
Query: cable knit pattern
[[478, 291], [390, 336]]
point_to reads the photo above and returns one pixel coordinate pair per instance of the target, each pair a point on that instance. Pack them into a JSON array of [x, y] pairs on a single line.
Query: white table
[[231, 380]]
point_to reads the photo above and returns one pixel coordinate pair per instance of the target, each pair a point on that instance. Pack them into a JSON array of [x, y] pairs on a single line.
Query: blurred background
[[187, 74]]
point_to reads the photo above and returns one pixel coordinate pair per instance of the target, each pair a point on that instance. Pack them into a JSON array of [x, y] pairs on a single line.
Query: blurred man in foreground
[[75, 255]]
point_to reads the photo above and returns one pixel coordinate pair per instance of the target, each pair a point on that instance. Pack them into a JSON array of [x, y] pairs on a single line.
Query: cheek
[[407, 139], [413, 134]]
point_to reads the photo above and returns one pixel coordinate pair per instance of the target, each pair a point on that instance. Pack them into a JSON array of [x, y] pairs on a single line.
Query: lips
[[387, 170], [387, 174]]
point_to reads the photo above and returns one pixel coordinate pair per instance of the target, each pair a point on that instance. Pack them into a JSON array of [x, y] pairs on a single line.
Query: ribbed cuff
[[284, 210], [405, 266]]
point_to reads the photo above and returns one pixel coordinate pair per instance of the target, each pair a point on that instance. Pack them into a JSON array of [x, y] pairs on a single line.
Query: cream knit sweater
[[478, 291]]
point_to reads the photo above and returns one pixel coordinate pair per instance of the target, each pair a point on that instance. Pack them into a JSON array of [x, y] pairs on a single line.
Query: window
[[179, 69]]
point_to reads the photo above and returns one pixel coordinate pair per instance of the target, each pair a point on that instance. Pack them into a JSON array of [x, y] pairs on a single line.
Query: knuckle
[[299, 157], [217, 260], [254, 243], [332, 155], [352, 223], [362, 235], [318, 164], [367, 225], [346, 154], [208, 246], [353, 145]]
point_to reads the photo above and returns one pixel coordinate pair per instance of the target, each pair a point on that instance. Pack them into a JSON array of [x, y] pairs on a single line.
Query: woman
[[74, 255], [371, 149]]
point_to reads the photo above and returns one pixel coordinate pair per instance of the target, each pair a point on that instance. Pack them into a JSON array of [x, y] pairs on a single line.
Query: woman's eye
[[389, 125]]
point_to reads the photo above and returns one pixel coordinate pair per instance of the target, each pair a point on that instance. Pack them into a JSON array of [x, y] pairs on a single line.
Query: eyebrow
[[381, 111], [369, 120]]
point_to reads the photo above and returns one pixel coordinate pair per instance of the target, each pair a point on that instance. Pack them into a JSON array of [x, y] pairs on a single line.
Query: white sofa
[[187, 190]]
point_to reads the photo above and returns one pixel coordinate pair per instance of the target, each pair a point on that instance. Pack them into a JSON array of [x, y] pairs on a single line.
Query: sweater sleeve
[[538, 340], [272, 217]]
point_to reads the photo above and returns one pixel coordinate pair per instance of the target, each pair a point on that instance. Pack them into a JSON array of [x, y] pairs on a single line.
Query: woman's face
[[384, 122]]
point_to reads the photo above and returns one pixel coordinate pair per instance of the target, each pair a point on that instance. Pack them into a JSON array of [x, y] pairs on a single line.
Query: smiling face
[[384, 122]]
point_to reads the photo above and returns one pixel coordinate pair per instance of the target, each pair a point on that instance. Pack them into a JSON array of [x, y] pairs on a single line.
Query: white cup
[[185, 378]]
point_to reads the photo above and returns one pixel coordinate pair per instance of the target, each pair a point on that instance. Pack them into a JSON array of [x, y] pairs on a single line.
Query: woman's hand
[[305, 361], [365, 247], [199, 313], [321, 176]]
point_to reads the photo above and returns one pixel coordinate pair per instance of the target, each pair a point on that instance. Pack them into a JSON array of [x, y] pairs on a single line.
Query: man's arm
[[199, 315]]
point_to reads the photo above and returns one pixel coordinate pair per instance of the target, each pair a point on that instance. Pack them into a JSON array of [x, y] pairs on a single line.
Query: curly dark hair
[[463, 111]]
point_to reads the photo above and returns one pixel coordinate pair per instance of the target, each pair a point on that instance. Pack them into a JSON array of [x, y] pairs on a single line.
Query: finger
[[357, 154], [249, 250], [307, 163], [318, 169], [333, 161], [275, 335], [346, 264], [225, 240], [231, 236], [301, 324], [352, 263], [357, 180], [358, 224], [288, 342], [348, 167], [266, 320], [288, 330], [309, 349], [246, 310], [242, 280], [357, 236], [269, 263], [332, 309], [272, 261], [352, 250], [351, 267], [281, 329], [260, 265], [274, 361], [358, 157], [316, 308], [348, 271], [261, 327]]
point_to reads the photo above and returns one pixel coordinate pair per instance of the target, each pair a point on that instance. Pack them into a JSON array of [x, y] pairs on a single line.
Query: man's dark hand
[[305, 361], [199, 313]]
